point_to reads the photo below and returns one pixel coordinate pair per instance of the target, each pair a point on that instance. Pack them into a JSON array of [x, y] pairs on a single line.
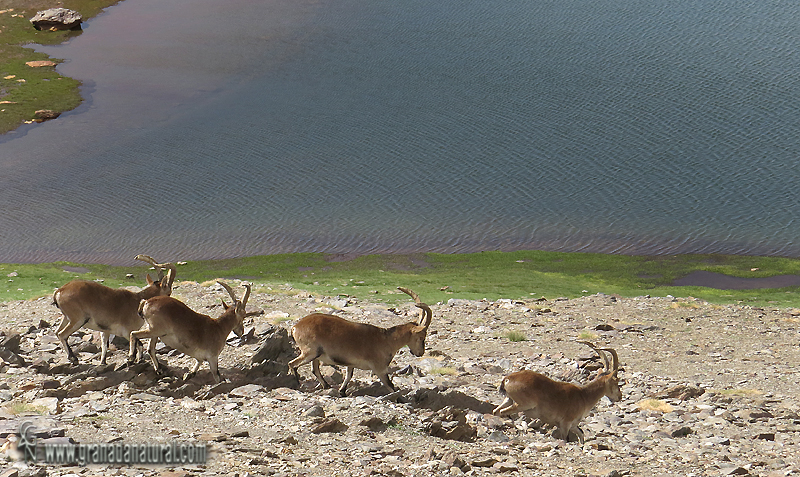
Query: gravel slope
[[710, 390]]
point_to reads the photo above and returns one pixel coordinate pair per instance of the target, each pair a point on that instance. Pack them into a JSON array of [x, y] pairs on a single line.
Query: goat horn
[[230, 291], [426, 315], [616, 359], [159, 267], [246, 294], [410, 293], [170, 274], [606, 364]]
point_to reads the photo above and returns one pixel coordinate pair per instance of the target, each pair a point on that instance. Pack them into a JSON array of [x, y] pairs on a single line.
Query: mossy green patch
[[25, 89], [438, 277]]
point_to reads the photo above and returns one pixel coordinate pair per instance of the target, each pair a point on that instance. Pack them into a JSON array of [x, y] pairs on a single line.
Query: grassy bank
[[25, 89], [437, 277]]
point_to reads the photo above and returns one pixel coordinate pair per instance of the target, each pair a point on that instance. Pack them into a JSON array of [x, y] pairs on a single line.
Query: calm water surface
[[218, 129]]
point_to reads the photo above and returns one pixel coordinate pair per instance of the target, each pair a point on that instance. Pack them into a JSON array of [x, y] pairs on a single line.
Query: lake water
[[218, 129]]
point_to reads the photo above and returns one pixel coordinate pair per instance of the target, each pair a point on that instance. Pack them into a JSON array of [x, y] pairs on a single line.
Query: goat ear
[[224, 305], [149, 280]]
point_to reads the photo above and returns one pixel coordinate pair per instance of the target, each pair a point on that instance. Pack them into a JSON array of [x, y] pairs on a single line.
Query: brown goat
[[335, 341], [558, 403], [189, 332], [107, 310]]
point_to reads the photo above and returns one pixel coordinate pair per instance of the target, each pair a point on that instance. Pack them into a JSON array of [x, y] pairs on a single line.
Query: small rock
[[193, 405], [451, 423], [11, 342], [290, 440], [453, 460], [717, 441], [505, 467], [51, 404], [681, 431], [761, 414], [375, 424], [484, 462], [42, 115], [12, 358], [493, 422], [314, 411], [329, 425], [213, 437], [498, 436], [41, 365], [683, 392], [246, 391], [734, 470]]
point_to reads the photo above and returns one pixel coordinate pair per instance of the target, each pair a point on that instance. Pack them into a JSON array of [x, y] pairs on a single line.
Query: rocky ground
[[710, 390]]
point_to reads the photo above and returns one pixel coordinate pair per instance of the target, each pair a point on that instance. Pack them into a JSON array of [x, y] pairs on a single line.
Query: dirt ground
[[709, 390]]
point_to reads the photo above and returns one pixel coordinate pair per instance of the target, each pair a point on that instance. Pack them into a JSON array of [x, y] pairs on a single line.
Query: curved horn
[[170, 274], [246, 294], [230, 291], [606, 364], [426, 315], [410, 293], [152, 261], [615, 366]]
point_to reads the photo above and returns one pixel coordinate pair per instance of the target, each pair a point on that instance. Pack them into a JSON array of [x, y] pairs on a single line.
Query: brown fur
[[557, 403], [107, 310], [191, 333], [333, 340]]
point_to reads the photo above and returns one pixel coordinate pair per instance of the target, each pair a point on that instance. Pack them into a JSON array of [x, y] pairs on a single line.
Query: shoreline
[[756, 281], [26, 89]]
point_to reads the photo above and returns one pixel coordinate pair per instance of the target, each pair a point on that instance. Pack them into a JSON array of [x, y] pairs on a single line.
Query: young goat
[[558, 403], [189, 332], [335, 341], [107, 310]]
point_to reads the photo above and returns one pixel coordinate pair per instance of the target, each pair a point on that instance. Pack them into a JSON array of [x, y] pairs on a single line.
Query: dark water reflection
[[218, 129]]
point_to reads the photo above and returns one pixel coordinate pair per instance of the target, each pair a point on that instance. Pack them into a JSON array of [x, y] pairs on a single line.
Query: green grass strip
[[439, 277]]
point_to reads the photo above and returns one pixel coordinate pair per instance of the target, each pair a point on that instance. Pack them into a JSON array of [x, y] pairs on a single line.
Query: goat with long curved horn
[[557, 403], [107, 310], [332, 340], [197, 335]]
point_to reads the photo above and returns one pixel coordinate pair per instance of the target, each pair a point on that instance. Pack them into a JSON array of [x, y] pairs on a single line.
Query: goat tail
[[502, 387]]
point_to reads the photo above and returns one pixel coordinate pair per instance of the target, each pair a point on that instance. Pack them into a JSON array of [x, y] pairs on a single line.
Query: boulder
[[275, 343], [54, 19]]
